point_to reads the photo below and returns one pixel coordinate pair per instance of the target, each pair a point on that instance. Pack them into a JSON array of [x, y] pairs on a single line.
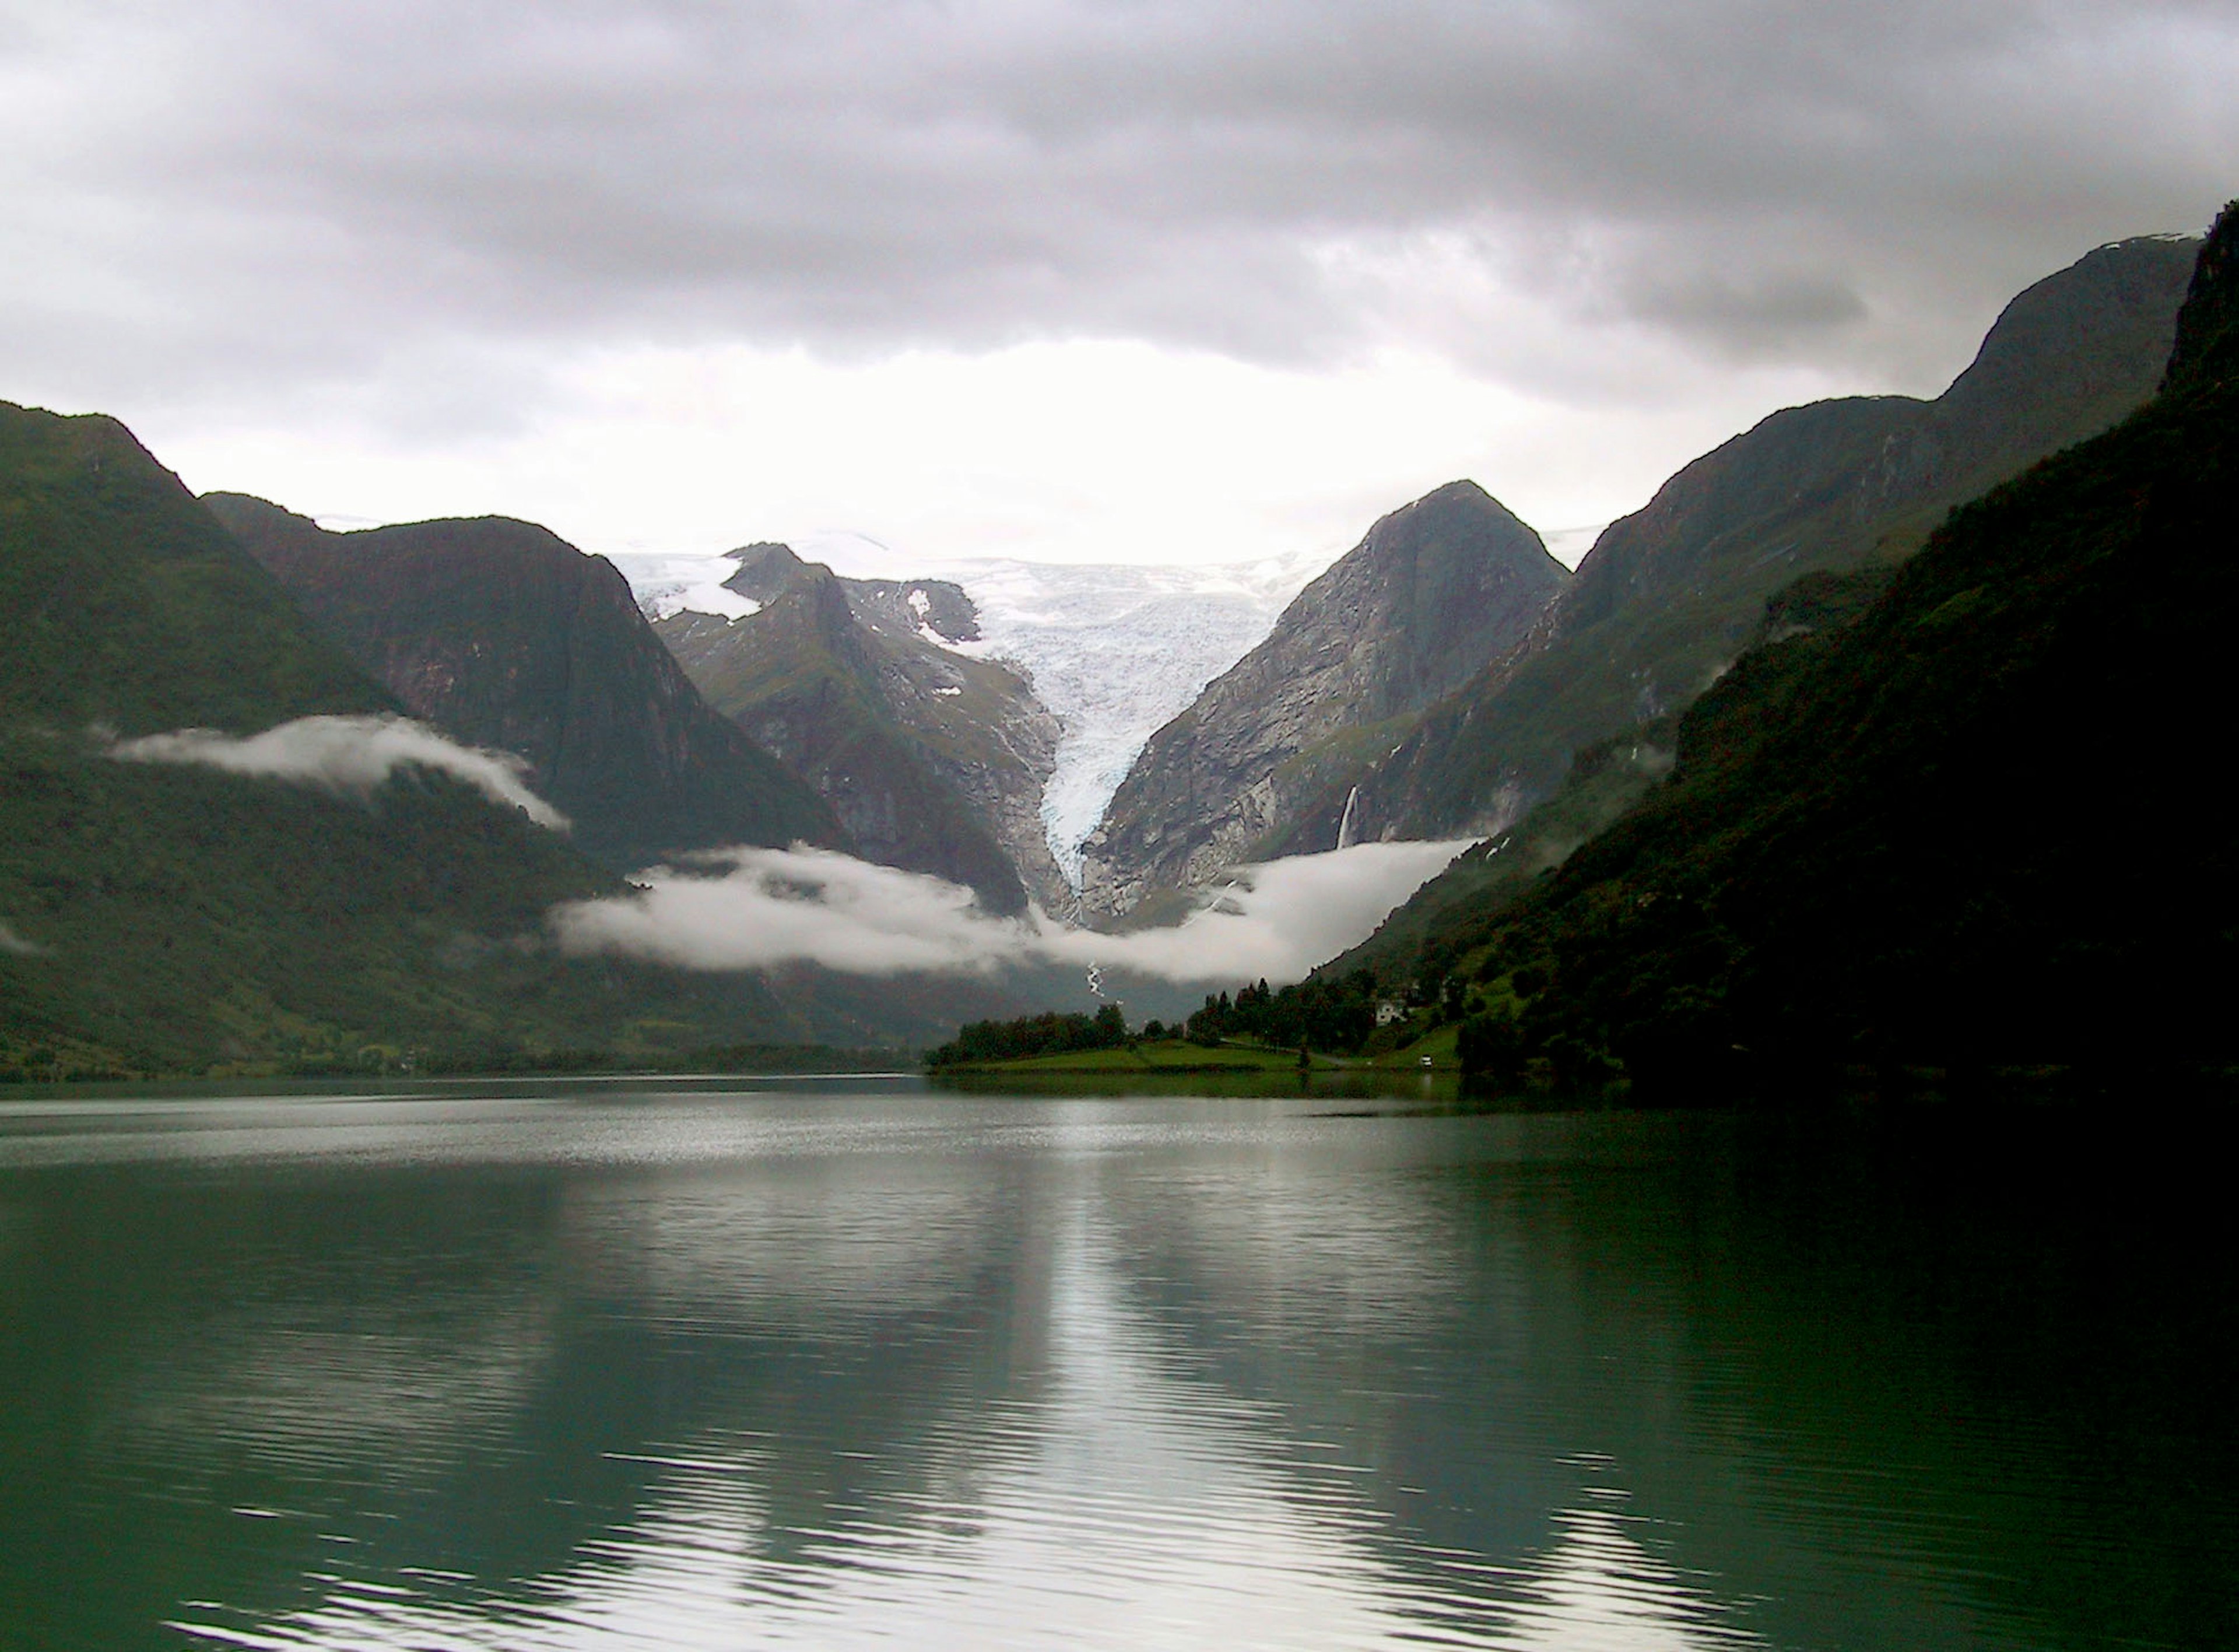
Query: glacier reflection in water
[[807, 1368]]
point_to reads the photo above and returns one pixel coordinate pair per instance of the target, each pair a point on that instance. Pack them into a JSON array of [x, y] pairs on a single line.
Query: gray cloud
[[256, 199], [748, 908], [16, 946], [346, 754]]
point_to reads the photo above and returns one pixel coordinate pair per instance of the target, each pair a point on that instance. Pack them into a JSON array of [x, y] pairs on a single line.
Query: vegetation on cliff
[[1972, 824]]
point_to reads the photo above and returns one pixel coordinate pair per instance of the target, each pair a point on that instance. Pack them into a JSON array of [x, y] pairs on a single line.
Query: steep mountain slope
[[125, 604], [934, 761], [1974, 824], [1669, 596], [157, 917], [502, 635], [1436, 591]]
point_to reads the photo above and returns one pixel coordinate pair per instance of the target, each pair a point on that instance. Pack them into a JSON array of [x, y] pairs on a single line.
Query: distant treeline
[[1337, 1016], [1048, 1033], [707, 1058]]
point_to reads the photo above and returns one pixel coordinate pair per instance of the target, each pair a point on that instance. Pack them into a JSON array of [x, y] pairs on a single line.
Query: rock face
[[1435, 592], [934, 761], [502, 634], [1670, 595]]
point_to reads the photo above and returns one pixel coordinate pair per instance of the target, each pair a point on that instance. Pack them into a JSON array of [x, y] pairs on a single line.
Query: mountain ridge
[[502, 634], [934, 761], [1871, 854], [1668, 596], [1432, 591]]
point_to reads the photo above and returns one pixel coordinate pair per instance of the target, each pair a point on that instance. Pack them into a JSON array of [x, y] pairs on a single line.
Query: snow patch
[[666, 583]]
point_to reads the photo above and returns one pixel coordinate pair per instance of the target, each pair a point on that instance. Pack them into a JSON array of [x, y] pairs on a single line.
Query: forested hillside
[[1972, 824]]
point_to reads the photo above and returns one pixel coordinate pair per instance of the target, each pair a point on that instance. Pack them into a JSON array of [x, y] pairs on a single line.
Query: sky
[[1129, 281]]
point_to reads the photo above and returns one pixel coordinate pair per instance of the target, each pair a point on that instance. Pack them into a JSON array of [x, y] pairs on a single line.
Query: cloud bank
[[346, 754], [749, 908], [439, 192]]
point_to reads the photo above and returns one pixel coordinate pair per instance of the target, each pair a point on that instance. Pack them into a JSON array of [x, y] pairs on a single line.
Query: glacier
[[1114, 649]]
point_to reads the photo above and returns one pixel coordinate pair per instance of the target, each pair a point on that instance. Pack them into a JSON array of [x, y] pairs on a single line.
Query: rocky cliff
[[1436, 591], [934, 761], [1669, 596], [500, 633]]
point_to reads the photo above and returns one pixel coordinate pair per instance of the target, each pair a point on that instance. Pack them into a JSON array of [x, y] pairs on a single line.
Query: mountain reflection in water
[[819, 1368]]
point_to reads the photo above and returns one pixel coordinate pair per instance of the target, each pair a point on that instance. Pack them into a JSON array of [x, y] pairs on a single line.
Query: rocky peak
[[934, 761], [765, 571], [1435, 591], [1669, 594]]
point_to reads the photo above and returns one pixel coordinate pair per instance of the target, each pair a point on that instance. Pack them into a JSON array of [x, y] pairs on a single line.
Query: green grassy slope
[[1454, 915], [1977, 824], [124, 603]]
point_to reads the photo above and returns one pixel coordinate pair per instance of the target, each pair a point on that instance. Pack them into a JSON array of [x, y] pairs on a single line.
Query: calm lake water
[[825, 1364]]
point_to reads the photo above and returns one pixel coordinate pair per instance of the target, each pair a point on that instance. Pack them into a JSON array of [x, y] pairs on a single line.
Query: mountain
[[125, 605], [1669, 596], [501, 634], [1972, 823], [1113, 650], [934, 761], [1436, 591], [158, 917]]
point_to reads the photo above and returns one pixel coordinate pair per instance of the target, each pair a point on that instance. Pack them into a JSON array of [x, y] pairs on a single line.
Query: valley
[[1072, 753]]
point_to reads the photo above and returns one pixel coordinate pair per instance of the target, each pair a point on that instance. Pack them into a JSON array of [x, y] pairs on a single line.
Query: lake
[[832, 1363]]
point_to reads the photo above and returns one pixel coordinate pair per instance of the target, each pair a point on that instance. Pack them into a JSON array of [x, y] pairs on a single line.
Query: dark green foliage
[[1336, 1015], [124, 604], [1052, 1033], [1972, 826], [1457, 912], [2206, 354], [1491, 1048]]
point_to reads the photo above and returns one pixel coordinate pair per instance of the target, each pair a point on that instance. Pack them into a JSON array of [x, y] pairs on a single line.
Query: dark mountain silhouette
[[1962, 817], [501, 634], [1668, 596]]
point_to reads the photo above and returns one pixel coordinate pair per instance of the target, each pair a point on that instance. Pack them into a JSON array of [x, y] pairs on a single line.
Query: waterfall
[[1344, 825]]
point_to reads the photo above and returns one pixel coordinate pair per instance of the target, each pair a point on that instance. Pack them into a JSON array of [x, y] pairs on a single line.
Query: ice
[[1116, 651], [666, 583], [1113, 649]]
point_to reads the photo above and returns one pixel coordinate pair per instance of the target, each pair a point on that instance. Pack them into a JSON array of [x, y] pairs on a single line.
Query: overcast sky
[[1138, 280]]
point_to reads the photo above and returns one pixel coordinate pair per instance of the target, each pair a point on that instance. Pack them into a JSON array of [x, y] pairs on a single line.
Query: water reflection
[[818, 1368]]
